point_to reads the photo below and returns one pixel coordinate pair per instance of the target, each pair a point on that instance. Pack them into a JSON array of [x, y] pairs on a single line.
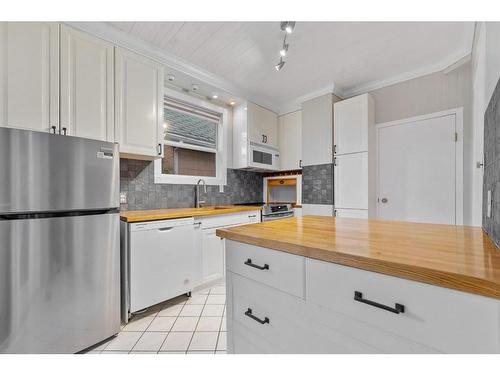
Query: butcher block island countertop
[[178, 213], [456, 257]]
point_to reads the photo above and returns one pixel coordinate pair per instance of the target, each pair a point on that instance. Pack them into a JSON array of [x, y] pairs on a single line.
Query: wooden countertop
[[456, 257], [177, 213]]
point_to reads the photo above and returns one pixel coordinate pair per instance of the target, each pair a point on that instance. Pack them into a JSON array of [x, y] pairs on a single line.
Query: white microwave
[[263, 157]]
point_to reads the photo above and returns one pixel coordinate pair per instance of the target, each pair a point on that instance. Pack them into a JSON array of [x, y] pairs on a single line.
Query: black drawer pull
[[249, 263], [398, 308], [250, 315]]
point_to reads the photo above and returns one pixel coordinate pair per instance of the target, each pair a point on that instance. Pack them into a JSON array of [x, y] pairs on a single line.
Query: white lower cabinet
[[317, 209], [213, 247], [212, 250], [345, 212], [348, 310]]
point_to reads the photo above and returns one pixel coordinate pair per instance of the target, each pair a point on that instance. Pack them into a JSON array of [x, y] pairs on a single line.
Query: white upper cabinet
[[87, 85], [139, 104], [352, 119], [262, 125], [29, 76], [317, 130], [290, 140]]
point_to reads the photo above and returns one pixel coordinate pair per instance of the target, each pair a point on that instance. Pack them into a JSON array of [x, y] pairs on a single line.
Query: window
[[194, 133]]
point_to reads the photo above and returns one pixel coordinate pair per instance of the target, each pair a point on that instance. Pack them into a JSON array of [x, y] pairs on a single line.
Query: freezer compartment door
[[59, 283], [47, 172]]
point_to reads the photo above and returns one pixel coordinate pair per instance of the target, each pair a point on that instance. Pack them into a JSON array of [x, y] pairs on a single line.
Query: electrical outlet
[[488, 203], [123, 198]]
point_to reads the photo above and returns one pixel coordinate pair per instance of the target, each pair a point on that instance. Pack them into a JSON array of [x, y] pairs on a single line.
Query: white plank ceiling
[[351, 55]]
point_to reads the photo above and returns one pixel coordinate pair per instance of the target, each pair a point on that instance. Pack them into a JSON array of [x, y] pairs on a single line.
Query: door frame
[[459, 155]]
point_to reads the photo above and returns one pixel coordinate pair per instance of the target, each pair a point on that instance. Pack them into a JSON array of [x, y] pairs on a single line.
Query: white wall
[[492, 58]]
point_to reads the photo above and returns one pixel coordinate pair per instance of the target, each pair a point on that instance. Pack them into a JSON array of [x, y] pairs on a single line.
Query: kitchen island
[[337, 285]]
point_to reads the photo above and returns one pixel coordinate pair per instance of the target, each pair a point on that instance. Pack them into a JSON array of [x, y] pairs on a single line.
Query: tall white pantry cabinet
[[353, 119]]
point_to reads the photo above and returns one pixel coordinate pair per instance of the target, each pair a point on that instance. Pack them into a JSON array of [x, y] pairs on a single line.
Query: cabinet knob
[[64, 131], [53, 129], [384, 200]]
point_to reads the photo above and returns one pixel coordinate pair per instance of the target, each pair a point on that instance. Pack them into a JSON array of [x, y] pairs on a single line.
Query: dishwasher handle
[[165, 229]]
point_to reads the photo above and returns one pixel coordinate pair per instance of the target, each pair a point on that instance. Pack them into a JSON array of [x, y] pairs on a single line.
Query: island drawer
[[270, 316], [444, 319], [280, 270]]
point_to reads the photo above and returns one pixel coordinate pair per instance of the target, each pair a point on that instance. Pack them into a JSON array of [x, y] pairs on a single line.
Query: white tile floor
[[195, 325]]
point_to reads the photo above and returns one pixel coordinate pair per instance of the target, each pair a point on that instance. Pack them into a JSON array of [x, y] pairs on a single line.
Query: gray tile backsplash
[[492, 165], [137, 180], [317, 184]]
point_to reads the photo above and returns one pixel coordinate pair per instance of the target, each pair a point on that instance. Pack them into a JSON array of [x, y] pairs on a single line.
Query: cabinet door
[[29, 75], [262, 125], [345, 212], [139, 104], [86, 85], [212, 256], [290, 142], [351, 181], [317, 122], [351, 120]]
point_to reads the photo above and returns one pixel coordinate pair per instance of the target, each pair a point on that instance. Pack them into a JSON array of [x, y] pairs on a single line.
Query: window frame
[[221, 151]]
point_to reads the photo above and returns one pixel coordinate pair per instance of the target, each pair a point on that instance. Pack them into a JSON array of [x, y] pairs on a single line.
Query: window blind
[[190, 124]]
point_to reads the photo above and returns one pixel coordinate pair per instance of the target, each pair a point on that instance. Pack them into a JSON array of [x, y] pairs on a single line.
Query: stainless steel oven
[[277, 211]]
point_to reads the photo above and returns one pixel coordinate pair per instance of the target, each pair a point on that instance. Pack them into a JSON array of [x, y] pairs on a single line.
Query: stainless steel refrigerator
[[59, 242]]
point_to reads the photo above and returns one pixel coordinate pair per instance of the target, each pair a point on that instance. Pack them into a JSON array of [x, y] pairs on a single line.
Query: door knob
[[384, 200]]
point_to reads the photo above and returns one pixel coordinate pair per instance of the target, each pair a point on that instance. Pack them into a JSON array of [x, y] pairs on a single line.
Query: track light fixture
[[287, 27]]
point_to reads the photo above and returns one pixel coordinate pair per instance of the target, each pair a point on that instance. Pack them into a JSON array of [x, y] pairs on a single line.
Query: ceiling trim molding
[[420, 72], [296, 104], [125, 40]]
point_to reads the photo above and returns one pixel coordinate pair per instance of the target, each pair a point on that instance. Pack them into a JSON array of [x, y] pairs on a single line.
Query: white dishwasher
[[164, 261]]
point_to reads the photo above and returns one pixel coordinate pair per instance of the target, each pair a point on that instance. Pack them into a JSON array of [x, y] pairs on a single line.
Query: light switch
[[488, 203], [123, 198]]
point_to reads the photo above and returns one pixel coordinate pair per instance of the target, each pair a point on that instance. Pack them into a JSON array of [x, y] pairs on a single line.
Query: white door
[[139, 104], [29, 75], [212, 256], [351, 181], [417, 171], [290, 142], [86, 85], [351, 118]]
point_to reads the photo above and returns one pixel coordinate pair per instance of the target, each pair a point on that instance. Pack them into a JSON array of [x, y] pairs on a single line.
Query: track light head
[[288, 26], [279, 65]]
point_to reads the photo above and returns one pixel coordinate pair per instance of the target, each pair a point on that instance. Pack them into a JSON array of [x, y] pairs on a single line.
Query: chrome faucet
[[197, 201]]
